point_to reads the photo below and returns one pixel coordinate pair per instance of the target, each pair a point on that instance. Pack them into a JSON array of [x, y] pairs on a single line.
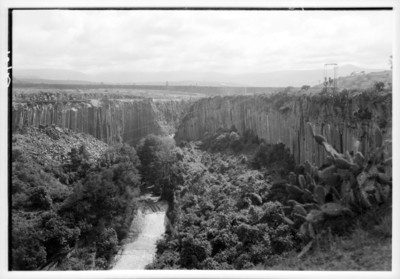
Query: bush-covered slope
[[72, 199]]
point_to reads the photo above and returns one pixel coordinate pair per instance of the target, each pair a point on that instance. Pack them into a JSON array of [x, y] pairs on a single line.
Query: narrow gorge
[[342, 119], [112, 121]]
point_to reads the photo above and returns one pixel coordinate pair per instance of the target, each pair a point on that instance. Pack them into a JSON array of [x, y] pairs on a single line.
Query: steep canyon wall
[[112, 121], [342, 119]]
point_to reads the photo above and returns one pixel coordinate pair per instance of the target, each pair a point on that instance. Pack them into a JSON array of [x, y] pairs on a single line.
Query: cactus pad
[[302, 181], [292, 178], [299, 209], [294, 190], [315, 216], [342, 163], [334, 209], [287, 220], [319, 194]]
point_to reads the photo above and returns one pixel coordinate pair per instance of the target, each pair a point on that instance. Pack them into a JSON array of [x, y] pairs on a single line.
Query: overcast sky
[[203, 41]]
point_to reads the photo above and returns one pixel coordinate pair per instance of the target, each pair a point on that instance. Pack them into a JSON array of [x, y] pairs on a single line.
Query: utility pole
[[330, 70]]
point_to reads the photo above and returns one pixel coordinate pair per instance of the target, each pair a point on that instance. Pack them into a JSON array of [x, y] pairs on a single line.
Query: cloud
[[203, 41]]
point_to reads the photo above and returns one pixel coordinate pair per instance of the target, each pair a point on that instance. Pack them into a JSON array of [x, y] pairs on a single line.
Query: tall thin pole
[[333, 83]]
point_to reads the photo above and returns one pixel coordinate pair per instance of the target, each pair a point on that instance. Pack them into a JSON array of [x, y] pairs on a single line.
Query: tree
[[157, 158], [28, 251], [288, 89], [275, 157], [79, 163], [119, 154], [104, 202], [379, 85]]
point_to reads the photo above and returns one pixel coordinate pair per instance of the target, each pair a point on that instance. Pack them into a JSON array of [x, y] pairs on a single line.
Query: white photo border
[[6, 5]]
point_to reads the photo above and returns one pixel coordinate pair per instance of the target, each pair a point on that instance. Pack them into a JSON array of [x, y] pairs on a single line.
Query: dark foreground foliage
[[72, 215]]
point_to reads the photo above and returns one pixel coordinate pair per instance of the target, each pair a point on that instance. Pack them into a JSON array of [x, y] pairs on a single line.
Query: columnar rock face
[[343, 120], [172, 113], [111, 121]]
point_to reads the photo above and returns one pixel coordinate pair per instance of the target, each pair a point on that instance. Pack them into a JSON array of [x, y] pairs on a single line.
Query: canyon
[[112, 121], [46, 126], [350, 122]]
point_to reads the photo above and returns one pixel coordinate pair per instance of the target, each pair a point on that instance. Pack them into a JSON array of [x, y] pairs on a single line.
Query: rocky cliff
[[343, 119], [122, 120]]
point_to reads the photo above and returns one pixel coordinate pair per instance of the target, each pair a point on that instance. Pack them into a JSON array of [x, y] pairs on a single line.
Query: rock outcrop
[[349, 123], [112, 121], [50, 146]]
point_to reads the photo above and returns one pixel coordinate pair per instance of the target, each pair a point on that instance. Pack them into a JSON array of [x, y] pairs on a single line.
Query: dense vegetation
[[231, 213], [158, 156], [270, 158], [235, 202], [72, 215], [223, 218]]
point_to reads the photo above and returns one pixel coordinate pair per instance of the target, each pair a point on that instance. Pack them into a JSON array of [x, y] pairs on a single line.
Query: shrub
[[166, 260], [39, 198], [274, 157], [107, 243], [379, 86], [28, 251], [194, 251], [157, 158]]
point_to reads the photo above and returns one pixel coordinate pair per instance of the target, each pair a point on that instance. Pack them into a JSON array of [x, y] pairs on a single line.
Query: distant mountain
[[51, 81], [194, 83], [172, 77], [51, 74], [270, 79]]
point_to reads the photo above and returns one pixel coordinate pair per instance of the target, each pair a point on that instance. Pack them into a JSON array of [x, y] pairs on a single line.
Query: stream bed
[[140, 247]]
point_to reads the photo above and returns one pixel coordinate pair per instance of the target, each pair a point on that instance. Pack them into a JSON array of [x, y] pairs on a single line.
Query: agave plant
[[347, 185]]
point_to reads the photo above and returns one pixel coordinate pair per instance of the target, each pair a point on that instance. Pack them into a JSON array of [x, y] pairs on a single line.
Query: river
[[140, 246]]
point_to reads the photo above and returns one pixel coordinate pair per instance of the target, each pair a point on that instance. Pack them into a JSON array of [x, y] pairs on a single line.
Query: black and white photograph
[[224, 140]]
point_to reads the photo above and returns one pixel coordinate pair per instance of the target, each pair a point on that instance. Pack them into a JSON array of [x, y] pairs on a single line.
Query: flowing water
[[140, 247]]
